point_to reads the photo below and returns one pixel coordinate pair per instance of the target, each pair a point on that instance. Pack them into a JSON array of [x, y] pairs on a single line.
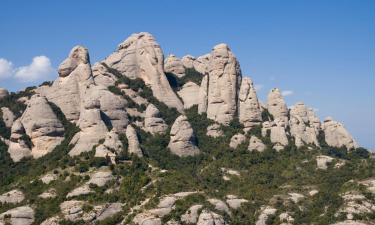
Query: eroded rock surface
[[153, 121], [336, 135], [174, 65], [189, 94], [249, 110]]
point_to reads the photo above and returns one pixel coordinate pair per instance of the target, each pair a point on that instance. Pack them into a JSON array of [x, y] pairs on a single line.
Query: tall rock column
[[276, 105], [249, 112], [224, 78], [140, 56], [336, 135]]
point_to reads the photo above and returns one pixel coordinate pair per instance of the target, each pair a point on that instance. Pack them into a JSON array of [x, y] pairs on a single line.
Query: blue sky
[[321, 52]]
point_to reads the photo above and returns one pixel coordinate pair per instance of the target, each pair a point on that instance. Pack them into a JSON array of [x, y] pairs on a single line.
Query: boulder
[[337, 136], [42, 126], [322, 161], [256, 144], [182, 141], [133, 141], [189, 94], [8, 116], [219, 205], [234, 202], [153, 122], [3, 93], [18, 147], [12, 197], [224, 78], [140, 56], [276, 105], [102, 75], [82, 190], [111, 146], [174, 65], [100, 178], [188, 61], [214, 130], [236, 140], [210, 218], [302, 128], [191, 215], [23, 215], [249, 109]]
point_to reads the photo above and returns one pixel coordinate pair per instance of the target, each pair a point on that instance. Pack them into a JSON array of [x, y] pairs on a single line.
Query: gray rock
[[140, 56], [191, 215], [153, 121], [201, 64], [48, 178], [265, 213], [224, 78], [219, 205], [182, 142], [102, 76], [234, 202], [210, 218], [214, 130], [18, 148], [101, 178], [72, 210], [337, 136], [276, 105], [23, 215], [3, 93], [236, 140], [133, 142], [189, 94], [108, 211], [111, 146], [52, 221], [322, 161], [256, 144], [82, 190], [8, 116], [188, 61], [12, 197], [203, 95], [249, 109], [174, 65]]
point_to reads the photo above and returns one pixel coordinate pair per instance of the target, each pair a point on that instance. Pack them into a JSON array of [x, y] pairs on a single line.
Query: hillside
[[142, 140]]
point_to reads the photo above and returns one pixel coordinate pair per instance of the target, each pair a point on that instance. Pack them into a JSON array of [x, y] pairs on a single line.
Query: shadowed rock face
[[224, 79], [182, 141], [140, 56]]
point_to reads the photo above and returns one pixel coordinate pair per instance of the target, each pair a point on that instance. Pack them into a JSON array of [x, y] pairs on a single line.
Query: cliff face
[[158, 137]]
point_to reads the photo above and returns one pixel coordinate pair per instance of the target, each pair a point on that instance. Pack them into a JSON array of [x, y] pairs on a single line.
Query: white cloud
[[287, 93], [40, 68], [258, 87], [6, 68]]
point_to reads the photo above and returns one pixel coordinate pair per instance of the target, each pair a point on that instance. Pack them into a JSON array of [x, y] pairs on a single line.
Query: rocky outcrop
[[224, 78], [209, 218], [322, 161], [3, 93], [201, 64], [236, 140], [140, 56], [256, 144], [303, 125], [219, 205], [265, 213], [18, 147], [188, 61], [277, 133], [174, 65], [182, 142], [92, 127], [234, 202], [103, 76], [191, 215], [276, 105], [8, 116], [82, 190], [12, 197], [23, 215], [189, 94], [214, 130], [153, 122], [111, 146], [133, 142], [100, 178], [203, 95], [249, 111], [48, 178], [42, 126], [336, 135]]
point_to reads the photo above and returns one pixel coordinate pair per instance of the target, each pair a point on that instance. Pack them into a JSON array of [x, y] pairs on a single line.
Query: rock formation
[[174, 65], [188, 61], [202, 95], [111, 146], [208, 217], [278, 135], [102, 76], [23, 215], [224, 78], [256, 144], [42, 126], [336, 135], [182, 142], [276, 105], [8, 116], [201, 64], [153, 121], [189, 94], [12, 197], [3, 93], [18, 147], [214, 130], [249, 111], [140, 56], [236, 140], [133, 142]]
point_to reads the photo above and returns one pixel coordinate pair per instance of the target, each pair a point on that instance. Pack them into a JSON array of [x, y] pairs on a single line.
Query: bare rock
[[103, 76], [256, 144], [50, 193], [182, 142], [108, 210], [140, 56], [236, 140], [224, 78], [146, 219], [12, 197], [337, 136], [219, 205], [23, 215], [101, 178], [134, 147], [276, 105], [322, 161], [250, 113], [82, 190], [350, 222], [210, 218], [72, 210], [111, 146], [18, 147], [191, 215], [3, 93], [8, 116], [42, 126], [214, 130], [188, 61], [203, 95], [265, 213], [48, 178], [153, 121], [234, 202], [189, 94], [174, 65], [52, 221], [201, 64]]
